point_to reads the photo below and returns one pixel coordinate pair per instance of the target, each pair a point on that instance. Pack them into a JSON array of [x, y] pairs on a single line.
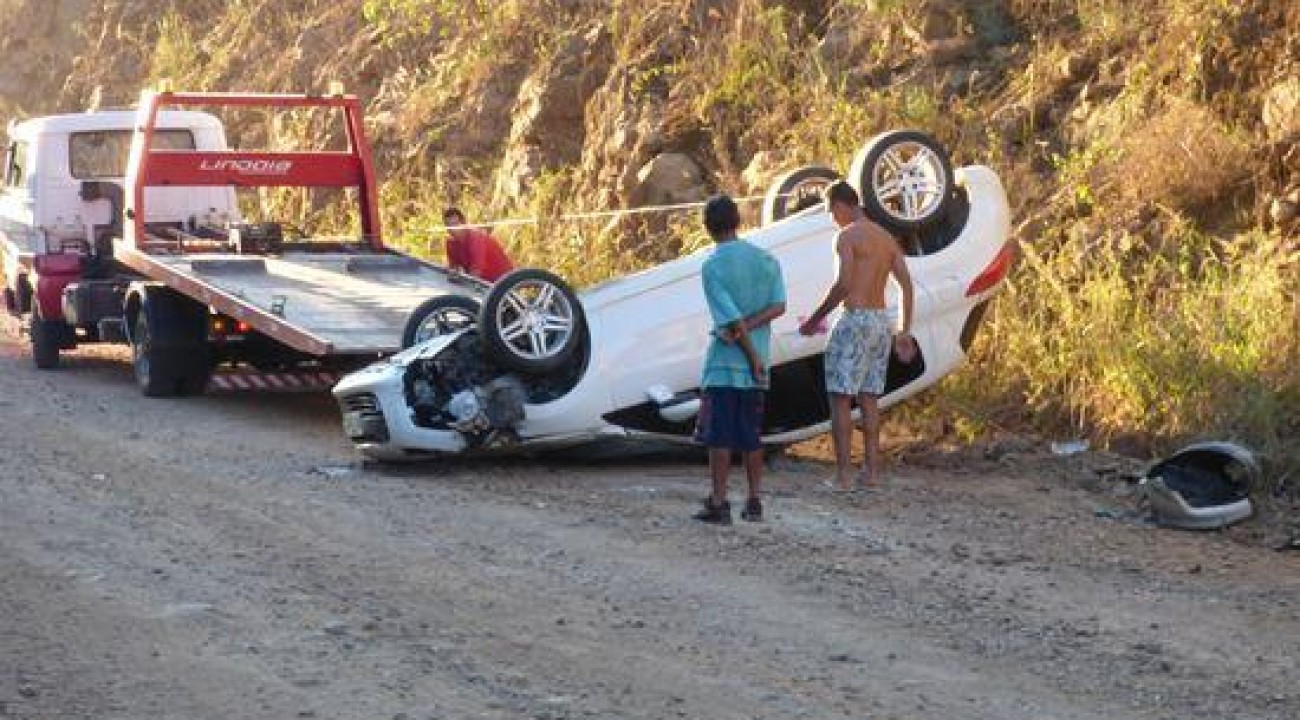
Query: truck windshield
[[103, 153]]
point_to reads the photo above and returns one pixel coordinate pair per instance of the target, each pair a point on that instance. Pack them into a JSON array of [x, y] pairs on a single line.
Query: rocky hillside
[[1137, 147]]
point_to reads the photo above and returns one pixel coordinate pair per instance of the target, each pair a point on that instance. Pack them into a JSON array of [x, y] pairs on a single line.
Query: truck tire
[[154, 370], [195, 372], [47, 341], [170, 354]]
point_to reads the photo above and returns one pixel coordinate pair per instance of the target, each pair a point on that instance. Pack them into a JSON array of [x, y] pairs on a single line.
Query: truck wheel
[[153, 370], [438, 316], [195, 371], [47, 340], [531, 322], [169, 345]]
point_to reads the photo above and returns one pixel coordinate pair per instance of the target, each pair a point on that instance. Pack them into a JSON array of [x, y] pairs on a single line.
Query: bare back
[[867, 254]]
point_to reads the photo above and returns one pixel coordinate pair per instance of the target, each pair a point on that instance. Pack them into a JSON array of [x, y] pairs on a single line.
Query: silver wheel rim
[[442, 321], [806, 194], [909, 181], [536, 320]]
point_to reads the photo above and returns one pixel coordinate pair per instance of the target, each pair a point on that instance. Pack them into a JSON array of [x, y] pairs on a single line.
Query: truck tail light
[[995, 272]]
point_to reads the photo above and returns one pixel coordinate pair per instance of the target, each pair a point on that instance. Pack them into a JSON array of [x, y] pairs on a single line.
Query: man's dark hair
[[842, 192], [721, 216], [453, 210]]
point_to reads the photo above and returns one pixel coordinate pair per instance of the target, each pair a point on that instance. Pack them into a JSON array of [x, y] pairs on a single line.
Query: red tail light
[[242, 327], [995, 272]]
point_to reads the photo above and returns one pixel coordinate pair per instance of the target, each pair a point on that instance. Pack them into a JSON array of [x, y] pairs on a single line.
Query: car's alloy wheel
[[796, 191], [531, 321], [905, 179], [438, 316]]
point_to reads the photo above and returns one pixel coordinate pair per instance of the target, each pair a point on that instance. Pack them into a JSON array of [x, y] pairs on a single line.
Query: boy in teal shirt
[[745, 293]]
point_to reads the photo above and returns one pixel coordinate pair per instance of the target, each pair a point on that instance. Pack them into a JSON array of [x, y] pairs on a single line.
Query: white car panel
[[647, 334]]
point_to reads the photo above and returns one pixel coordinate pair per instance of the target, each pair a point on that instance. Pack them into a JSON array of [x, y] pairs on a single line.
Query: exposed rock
[[950, 50], [1282, 210], [837, 44], [1281, 113], [941, 20], [624, 130], [549, 112], [32, 33], [1074, 68], [670, 178]]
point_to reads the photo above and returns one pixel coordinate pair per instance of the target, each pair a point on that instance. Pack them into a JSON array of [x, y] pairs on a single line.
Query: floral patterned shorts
[[857, 354]]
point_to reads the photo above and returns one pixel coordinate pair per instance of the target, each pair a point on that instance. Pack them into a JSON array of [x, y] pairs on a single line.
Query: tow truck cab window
[[16, 164], [103, 153]]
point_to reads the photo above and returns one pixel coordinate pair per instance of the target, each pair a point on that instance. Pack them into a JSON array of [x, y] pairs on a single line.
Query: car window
[[16, 165], [103, 153]]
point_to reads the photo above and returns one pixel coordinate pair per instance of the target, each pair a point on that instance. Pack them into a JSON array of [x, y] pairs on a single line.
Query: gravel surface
[[230, 557]]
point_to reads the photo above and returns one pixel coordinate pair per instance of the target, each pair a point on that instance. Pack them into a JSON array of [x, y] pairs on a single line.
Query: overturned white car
[[532, 364]]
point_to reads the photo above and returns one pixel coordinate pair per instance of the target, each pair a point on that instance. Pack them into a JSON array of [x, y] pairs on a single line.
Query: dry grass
[[1148, 305], [1182, 157]]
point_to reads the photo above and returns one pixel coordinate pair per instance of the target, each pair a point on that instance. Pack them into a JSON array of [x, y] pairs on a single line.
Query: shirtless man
[[857, 353]]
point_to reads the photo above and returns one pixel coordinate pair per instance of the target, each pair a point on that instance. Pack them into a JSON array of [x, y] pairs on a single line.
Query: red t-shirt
[[478, 254]]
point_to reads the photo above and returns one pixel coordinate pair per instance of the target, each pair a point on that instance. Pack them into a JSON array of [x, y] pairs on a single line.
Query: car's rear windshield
[[103, 153]]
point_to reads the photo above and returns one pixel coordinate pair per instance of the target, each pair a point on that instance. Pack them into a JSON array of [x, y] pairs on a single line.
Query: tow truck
[[126, 227]]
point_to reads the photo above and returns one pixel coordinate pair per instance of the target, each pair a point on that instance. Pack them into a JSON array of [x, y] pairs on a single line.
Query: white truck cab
[[48, 161], [61, 209]]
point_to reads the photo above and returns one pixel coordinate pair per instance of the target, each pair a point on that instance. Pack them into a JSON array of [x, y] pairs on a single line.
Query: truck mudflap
[[235, 381]]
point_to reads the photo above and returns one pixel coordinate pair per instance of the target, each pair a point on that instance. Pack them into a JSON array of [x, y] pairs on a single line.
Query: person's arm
[[905, 344], [741, 335], [837, 291]]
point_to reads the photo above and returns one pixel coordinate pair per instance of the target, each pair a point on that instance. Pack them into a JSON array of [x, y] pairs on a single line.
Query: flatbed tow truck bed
[[318, 303]]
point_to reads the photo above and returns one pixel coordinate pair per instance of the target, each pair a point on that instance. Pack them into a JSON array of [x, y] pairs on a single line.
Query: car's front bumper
[[378, 421]]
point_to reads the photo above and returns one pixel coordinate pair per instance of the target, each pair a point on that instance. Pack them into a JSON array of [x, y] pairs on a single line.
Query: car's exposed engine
[[460, 389]]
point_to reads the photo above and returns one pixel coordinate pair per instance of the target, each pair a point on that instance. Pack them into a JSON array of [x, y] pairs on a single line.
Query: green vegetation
[[1153, 301]]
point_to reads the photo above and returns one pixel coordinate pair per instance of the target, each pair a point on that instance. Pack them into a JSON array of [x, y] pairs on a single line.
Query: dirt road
[[231, 558]]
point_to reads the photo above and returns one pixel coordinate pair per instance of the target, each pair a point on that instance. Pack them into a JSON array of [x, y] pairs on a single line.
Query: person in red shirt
[[473, 251]]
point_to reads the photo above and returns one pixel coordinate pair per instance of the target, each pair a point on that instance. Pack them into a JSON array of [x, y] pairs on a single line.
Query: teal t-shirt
[[740, 279]]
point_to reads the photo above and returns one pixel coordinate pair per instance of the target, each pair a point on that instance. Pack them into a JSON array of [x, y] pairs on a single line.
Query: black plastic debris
[[1204, 486]]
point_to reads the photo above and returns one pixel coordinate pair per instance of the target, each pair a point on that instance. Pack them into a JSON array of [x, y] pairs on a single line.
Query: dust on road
[[232, 558]]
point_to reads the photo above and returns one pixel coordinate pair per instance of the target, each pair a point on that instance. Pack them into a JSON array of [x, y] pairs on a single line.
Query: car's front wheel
[[905, 179], [438, 316], [531, 322]]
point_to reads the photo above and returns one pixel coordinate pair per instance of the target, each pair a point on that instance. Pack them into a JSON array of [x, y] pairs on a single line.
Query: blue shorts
[[730, 419]]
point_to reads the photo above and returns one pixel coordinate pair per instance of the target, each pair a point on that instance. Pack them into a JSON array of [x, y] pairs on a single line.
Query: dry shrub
[[1181, 157]]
